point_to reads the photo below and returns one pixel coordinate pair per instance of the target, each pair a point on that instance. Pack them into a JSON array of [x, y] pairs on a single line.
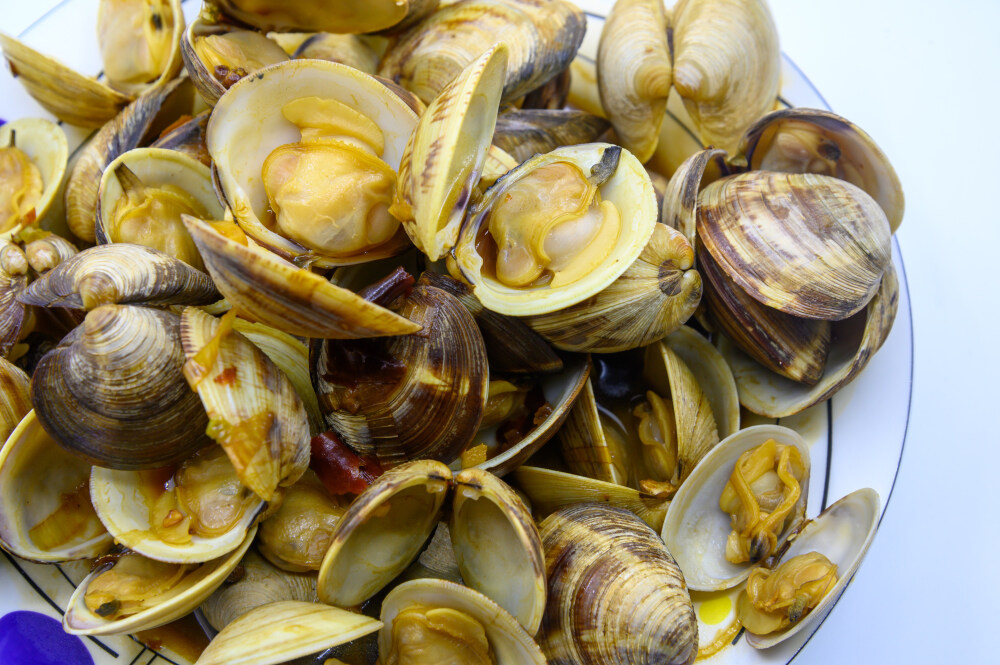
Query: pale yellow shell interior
[[44, 142]]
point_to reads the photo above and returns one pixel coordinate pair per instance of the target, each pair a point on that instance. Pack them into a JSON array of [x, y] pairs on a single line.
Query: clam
[[411, 396], [254, 412], [527, 132], [726, 65], [14, 386], [615, 593], [634, 72], [680, 200], [440, 621], [496, 544], [188, 513], [701, 535], [13, 280], [113, 392], [44, 251], [58, 523], [33, 158], [120, 274], [342, 17], [543, 37], [312, 117], [127, 593], [351, 50], [143, 194], [599, 213], [187, 137], [445, 154]]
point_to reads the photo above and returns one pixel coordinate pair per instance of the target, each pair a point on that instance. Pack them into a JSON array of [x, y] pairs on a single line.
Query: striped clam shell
[[615, 594]]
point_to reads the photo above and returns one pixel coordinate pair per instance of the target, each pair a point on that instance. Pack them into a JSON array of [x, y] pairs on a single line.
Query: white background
[[922, 78]]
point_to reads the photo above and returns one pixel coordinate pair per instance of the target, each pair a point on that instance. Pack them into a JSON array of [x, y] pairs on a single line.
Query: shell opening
[[437, 635], [135, 38], [776, 599], [232, 55], [134, 584]]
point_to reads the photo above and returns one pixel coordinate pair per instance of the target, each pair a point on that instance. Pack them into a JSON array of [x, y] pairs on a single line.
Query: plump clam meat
[[551, 227], [232, 55], [504, 399], [656, 429], [776, 599], [203, 497], [132, 585], [151, 216], [20, 186], [438, 635], [298, 535], [761, 494], [330, 191], [135, 39]]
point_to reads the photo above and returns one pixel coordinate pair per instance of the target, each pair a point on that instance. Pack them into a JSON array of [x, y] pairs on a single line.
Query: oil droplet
[[714, 608]]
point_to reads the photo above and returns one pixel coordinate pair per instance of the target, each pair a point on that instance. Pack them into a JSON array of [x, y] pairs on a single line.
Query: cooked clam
[[139, 42], [351, 16], [527, 132], [33, 158]]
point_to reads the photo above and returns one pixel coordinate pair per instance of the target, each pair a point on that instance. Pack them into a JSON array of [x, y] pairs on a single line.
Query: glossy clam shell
[[628, 188], [14, 385], [543, 36], [33, 465], [13, 313], [680, 200], [843, 532], [656, 295], [856, 340], [282, 631], [264, 287], [527, 132], [382, 532], [509, 643], [173, 64], [350, 16], [696, 529], [634, 72], [727, 65], [198, 585], [121, 273], [713, 375], [447, 151], [807, 245], [855, 155], [615, 593], [497, 546], [113, 391], [240, 386], [45, 144], [240, 141]]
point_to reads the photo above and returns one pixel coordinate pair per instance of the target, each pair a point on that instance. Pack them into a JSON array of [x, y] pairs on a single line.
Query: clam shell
[[615, 593], [445, 155], [509, 643], [350, 50], [713, 374], [696, 529], [856, 340], [382, 532], [172, 21], [680, 200], [17, 401], [628, 189], [254, 412], [120, 274], [798, 140], [807, 245], [527, 132], [727, 65], [497, 546], [843, 532], [282, 631], [197, 585], [45, 144], [634, 73], [45, 251], [113, 392], [343, 17], [33, 465], [270, 290]]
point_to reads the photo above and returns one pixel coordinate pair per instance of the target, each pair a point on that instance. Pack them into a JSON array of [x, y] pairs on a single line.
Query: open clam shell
[[680, 200], [350, 16], [628, 188], [527, 132], [284, 630], [843, 532], [190, 591], [45, 145], [239, 141], [58, 523], [696, 529], [509, 643], [14, 386]]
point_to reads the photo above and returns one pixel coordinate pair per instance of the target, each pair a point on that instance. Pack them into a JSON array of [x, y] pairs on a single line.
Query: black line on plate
[[687, 130], [114, 654], [32, 582], [782, 100], [155, 656], [41, 18], [138, 655], [65, 576], [791, 63], [829, 452], [738, 636]]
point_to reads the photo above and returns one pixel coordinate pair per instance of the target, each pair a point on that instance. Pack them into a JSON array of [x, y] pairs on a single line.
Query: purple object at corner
[[31, 638]]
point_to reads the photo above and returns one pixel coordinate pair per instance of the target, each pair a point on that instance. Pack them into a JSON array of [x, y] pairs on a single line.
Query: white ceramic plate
[[857, 437]]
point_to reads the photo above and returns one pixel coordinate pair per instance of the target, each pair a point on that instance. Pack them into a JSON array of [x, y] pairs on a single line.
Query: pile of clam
[[326, 271]]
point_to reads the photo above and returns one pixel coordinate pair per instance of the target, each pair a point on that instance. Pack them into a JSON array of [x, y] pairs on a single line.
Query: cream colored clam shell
[[509, 642], [120, 503], [628, 188], [696, 529], [247, 125], [14, 386], [44, 142], [285, 630], [33, 465], [199, 583]]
